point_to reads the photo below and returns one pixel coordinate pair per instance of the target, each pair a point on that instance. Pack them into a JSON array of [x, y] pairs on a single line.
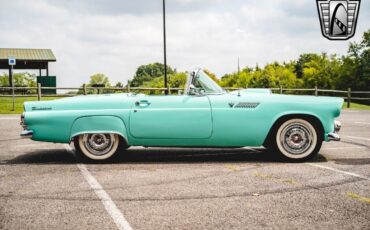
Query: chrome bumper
[[334, 136], [27, 133]]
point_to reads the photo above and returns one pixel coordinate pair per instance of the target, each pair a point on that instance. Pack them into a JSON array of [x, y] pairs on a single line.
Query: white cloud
[[115, 37]]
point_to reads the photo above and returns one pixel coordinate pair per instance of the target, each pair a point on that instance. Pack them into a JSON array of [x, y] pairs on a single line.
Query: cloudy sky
[[114, 37]]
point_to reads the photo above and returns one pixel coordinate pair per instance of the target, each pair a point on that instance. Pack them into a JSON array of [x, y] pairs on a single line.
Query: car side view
[[205, 115]]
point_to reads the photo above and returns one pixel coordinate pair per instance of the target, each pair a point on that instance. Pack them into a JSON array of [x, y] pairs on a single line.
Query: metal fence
[[348, 95]]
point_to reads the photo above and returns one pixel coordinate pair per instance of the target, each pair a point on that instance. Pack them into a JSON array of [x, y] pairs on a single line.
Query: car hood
[[331, 103]]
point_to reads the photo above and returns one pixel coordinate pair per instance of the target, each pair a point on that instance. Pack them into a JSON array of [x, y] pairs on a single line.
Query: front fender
[[99, 124], [326, 120]]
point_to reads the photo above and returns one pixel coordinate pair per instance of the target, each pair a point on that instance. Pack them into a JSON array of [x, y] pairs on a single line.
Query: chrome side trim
[[27, 133], [333, 137]]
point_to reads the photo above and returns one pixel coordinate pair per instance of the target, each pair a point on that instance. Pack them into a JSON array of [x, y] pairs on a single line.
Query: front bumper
[[334, 136]]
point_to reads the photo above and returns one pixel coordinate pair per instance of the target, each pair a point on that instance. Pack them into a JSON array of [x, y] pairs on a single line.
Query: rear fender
[[99, 124]]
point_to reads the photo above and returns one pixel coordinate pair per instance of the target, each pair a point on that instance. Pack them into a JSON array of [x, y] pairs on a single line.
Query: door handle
[[142, 103]]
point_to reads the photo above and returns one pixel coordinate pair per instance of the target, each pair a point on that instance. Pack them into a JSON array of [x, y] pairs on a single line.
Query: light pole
[[164, 47]]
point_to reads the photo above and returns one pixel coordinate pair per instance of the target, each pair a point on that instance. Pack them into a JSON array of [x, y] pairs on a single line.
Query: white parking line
[[363, 123], [339, 171], [10, 118], [360, 138], [104, 197], [345, 147]]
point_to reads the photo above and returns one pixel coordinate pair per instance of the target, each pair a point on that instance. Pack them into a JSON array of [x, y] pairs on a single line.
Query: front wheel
[[297, 140], [97, 146]]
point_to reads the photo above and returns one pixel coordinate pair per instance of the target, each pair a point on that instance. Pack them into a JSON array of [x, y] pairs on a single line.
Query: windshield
[[203, 82]]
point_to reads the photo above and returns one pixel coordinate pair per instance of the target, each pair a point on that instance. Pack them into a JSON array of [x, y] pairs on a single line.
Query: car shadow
[[159, 156], [44, 156]]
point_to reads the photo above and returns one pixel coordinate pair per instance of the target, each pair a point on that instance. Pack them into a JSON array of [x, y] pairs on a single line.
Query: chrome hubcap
[[98, 143], [296, 138]]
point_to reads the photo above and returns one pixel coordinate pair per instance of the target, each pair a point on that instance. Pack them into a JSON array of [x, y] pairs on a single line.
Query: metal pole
[[164, 47], [11, 79], [10, 76]]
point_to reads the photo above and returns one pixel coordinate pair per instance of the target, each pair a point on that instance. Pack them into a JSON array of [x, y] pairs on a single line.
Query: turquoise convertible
[[102, 126]]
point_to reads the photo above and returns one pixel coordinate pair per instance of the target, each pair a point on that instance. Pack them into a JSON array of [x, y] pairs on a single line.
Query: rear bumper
[[334, 136], [27, 133]]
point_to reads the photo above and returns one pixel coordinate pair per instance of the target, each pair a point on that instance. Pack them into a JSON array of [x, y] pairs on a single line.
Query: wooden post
[[38, 91], [316, 91], [349, 98], [84, 89], [47, 69], [281, 90]]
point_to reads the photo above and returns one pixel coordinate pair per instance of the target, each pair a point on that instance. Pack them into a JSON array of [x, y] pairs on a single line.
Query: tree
[[145, 73], [176, 80], [99, 78], [321, 71], [119, 85], [211, 75], [355, 68], [19, 79]]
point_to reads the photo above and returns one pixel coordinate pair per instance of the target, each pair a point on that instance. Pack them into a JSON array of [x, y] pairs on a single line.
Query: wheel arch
[[309, 117], [99, 124]]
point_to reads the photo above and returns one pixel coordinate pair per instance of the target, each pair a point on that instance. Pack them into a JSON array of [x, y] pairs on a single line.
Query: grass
[[356, 106], [6, 104]]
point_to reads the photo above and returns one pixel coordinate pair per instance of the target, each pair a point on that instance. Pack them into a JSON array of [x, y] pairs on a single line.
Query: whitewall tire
[[97, 146], [297, 140]]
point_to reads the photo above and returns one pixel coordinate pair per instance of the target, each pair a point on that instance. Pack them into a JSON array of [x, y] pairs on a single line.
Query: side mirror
[[192, 90], [195, 91]]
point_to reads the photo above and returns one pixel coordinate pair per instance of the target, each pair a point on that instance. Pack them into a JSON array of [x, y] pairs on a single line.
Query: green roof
[[27, 54]]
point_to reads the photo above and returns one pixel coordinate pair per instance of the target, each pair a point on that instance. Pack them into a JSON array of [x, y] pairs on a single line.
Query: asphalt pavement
[[44, 186]]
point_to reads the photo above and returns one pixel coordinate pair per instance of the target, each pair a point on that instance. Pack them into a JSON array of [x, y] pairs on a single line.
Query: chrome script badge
[[338, 18]]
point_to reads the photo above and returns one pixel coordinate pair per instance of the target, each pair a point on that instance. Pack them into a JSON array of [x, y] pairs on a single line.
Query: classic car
[[205, 115]]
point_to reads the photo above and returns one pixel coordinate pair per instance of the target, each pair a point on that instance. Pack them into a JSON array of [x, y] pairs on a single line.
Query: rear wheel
[[97, 146], [297, 140]]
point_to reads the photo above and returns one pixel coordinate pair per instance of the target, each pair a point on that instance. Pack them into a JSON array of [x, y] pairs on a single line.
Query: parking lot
[[44, 186]]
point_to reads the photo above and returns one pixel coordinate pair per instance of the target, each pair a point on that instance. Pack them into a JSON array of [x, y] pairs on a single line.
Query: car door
[[171, 117]]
